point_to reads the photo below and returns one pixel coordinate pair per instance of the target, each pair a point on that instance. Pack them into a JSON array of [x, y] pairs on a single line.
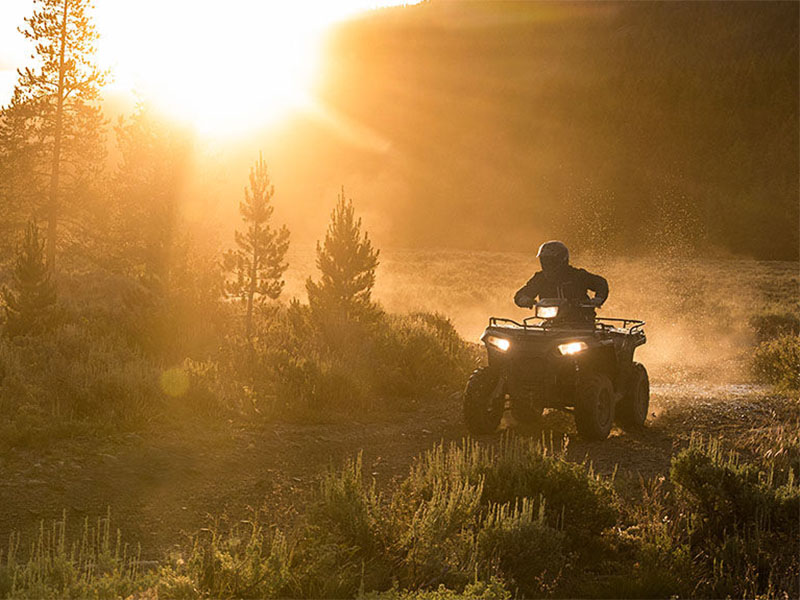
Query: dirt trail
[[165, 485]]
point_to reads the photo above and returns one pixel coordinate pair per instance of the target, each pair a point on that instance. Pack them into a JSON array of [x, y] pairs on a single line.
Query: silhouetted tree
[[258, 261], [140, 231], [31, 302], [52, 124], [347, 262]]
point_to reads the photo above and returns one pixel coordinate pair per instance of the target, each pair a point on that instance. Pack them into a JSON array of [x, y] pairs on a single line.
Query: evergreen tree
[[258, 261], [347, 262], [142, 225], [53, 127], [30, 304]]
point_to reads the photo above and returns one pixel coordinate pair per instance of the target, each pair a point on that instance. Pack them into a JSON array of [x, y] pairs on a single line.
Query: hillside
[[487, 121]]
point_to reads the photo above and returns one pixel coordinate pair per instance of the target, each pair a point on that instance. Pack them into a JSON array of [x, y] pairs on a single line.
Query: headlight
[[501, 344], [546, 312], [572, 348]]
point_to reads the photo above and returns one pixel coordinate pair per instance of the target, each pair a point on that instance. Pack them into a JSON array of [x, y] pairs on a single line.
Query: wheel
[[483, 405], [594, 408], [632, 409]]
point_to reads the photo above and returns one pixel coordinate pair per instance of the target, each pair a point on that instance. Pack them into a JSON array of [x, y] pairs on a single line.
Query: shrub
[[93, 565], [437, 529], [574, 498], [742, 519], [495, 589], [516, 544], [778, 361], [774, 325], [242, 562]]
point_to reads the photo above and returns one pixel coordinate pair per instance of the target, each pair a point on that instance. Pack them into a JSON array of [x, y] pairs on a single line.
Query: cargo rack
[[606, 324]]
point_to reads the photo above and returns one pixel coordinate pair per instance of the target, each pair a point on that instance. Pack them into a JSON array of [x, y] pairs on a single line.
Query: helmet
[[553, 255]]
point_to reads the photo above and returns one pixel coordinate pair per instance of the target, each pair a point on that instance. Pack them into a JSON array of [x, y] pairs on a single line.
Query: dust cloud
[[698, 312]]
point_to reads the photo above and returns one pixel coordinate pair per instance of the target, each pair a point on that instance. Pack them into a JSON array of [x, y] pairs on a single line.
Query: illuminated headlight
[[501, 344], [546, 312], [572, 348]]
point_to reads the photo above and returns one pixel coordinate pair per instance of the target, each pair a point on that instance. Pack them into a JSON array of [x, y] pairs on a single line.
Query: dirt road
[[164, 485]]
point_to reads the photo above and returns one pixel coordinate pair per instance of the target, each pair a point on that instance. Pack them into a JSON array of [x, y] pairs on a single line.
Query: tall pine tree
[[30, 303], [53, 127], [347, 262], [257, 263]]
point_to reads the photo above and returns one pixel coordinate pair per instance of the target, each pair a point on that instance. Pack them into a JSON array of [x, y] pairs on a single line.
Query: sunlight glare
[[222, 68]]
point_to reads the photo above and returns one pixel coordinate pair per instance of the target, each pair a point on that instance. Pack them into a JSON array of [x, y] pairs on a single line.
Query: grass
[[462, 523], [95, 563]]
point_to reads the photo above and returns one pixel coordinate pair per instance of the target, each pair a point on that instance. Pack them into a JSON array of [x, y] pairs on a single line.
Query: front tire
[[594, 409], [483, 405], [632, 409]]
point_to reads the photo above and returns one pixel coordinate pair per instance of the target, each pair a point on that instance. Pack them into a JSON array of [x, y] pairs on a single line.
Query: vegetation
[[347, 263], [30, 305], [777, 361], [139, 329], [53, 124], [258, 259], [718, 528]]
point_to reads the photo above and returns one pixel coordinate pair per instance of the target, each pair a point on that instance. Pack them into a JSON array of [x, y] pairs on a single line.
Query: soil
[[164, 485]]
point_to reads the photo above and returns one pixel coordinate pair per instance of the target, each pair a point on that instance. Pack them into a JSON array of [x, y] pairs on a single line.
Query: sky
[[201, 61]]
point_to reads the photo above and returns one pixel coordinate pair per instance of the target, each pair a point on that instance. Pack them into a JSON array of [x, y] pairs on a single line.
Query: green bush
[[495, 589], [516, 544], [777, 361], [438, 528], [741, 520], [243, 562], [575, 499], [95, 565], [299, 366]]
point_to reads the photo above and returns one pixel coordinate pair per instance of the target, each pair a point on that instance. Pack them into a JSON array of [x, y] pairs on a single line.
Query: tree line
[[52, 158]]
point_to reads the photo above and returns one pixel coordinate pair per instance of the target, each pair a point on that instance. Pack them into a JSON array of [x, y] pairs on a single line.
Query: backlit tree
[[30, 302], [347, 262], [53, 127], [257, 262]]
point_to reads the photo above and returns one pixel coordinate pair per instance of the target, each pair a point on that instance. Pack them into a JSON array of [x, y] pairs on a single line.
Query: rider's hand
[[525, 301], [597, 302]]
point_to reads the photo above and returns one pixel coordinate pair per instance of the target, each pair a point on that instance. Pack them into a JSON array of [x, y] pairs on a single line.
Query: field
[[699, 312], [169, 480]]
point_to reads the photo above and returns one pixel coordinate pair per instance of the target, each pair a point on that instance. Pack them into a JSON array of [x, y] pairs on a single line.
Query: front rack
[[629, 326]]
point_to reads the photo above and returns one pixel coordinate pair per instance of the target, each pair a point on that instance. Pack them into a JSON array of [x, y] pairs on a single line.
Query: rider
[[559, 279]]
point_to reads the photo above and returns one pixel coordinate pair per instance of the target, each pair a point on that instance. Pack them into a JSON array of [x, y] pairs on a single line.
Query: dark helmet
[[553, 255]]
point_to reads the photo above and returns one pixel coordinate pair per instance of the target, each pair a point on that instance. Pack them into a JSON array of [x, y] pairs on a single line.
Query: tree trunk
[[251, 292], [53, 205]]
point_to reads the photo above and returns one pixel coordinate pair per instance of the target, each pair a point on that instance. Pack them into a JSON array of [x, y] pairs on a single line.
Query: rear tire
[[594, 409], [632, 409], [483, 409]]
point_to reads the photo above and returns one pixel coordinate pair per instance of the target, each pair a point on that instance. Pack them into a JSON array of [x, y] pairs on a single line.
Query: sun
[[223, 67]]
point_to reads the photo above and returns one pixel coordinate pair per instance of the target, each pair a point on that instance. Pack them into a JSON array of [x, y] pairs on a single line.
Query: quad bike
[[566, 358]]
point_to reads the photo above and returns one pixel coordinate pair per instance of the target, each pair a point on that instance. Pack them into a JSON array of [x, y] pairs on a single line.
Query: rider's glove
[[524, 301], [597, 301]]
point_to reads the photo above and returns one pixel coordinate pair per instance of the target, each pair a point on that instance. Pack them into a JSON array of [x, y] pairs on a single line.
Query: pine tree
[[142, 225], [347, 262], [258, 261], [30, 304], [53, 114]]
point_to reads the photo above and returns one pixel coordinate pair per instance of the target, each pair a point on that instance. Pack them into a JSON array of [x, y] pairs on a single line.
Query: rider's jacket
[[569, 282]]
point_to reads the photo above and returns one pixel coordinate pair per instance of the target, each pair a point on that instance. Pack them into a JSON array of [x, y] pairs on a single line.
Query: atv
[[565, 358]]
